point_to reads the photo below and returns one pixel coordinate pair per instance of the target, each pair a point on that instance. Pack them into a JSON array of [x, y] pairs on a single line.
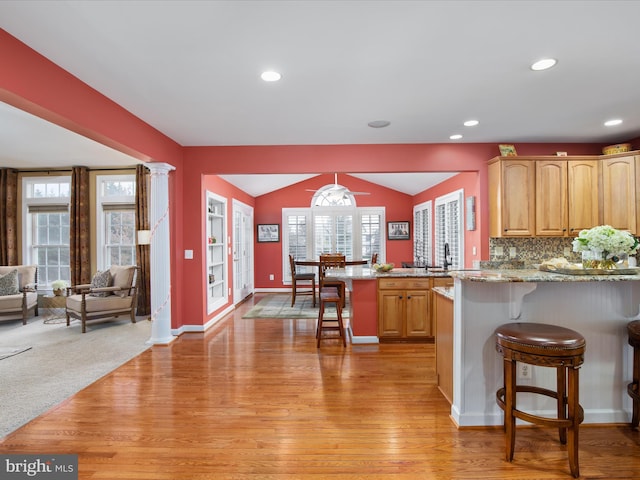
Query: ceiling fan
[[336, 192]]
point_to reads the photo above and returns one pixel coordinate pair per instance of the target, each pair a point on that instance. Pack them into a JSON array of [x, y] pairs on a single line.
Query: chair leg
[[313, 287], [293, 292], [572, 437], [634, 387], [340, 324], [319, 330], [561, 389], [509, 405]]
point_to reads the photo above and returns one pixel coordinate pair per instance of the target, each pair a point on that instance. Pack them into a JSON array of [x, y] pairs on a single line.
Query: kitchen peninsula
[[597, 306], [400, 284]]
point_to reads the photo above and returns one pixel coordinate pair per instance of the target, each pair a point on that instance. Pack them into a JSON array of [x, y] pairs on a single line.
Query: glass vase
[[592, 259]]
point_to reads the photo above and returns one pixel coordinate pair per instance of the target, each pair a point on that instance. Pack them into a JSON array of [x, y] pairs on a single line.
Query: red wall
[[470, 183]]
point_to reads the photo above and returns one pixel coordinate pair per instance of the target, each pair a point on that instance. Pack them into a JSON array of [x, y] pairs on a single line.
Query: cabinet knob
[[409, 297], [400, 297]]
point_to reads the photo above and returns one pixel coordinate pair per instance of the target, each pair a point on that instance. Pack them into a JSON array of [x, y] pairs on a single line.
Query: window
[[422, 238], [308, 232], [449, 228], [46, 221], [116, 225]]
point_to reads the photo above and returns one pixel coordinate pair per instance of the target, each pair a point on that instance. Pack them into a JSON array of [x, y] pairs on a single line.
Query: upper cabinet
[[550, 196], [566, 196], [511, 197], [619, 193]]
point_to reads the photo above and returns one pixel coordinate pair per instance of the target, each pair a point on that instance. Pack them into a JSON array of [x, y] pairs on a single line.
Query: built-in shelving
[[216, 278]]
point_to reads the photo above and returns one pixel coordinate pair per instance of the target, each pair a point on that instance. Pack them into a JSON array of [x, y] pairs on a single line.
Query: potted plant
[[58, 287]]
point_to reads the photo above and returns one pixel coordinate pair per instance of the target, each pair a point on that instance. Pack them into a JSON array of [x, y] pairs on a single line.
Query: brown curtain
[[143, 251], [8, 216], [79, 235]]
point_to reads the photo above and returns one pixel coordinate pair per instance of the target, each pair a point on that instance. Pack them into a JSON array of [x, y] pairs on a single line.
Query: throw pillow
[[101, 280], [9, 283]]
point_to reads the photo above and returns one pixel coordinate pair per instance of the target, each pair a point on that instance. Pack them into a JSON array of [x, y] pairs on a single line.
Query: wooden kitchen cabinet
[[566, 196], [443, 314], [511, 197], [619, 192], [404, 309]]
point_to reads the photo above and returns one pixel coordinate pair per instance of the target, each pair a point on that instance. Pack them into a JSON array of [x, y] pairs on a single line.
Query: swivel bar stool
[[633, 329], [547, 346]]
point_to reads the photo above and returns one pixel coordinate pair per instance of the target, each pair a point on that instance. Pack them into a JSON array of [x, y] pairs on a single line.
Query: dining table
[[316, 263]]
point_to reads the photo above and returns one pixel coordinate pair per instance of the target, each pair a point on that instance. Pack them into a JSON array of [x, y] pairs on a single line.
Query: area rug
[[6, 352], [60, 361], [279, 306]]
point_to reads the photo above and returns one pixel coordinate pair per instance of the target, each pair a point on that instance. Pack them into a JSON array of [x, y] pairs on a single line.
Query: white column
[[160, 254]]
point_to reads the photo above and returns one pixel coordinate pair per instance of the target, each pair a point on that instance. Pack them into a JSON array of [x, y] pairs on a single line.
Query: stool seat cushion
[[633, 329], [539, 336]]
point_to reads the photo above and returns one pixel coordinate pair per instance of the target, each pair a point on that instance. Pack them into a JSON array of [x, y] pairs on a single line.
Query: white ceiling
[[191, 69]]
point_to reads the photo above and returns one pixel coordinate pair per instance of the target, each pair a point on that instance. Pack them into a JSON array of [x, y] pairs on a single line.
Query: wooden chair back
[[331, 260]]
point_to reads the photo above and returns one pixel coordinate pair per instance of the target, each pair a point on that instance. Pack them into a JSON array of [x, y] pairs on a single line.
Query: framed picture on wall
[[268, 232], [398, 230]]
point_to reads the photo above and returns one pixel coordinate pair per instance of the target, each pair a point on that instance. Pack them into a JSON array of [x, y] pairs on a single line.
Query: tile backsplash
[[532, 250]]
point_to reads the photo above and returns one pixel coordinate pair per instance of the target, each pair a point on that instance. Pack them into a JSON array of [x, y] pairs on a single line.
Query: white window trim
[[126, 201], [27, 225], [455, 196], [428, 208]]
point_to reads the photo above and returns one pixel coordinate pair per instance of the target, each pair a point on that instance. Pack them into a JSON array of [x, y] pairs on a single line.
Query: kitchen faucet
[[447, 255]]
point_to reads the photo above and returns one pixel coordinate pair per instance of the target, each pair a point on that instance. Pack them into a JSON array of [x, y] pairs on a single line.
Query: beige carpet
[[279, 306], [60, 362]]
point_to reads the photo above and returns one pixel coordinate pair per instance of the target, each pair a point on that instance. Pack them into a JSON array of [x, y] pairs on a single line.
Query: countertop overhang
[[534, 275], [368, 273]]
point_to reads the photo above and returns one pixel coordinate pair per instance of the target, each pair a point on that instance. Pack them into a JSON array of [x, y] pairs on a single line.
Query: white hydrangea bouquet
[[605, 244]]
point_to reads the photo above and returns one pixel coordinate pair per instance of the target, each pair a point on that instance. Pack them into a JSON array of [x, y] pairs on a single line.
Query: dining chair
[[328, 261], [301, 277], [331, 292]]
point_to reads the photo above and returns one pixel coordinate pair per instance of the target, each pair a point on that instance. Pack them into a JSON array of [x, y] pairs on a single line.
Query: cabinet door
[[418, 313], [551, 198], [517, 210], [618, 193], [443, 309], [391, 313], [582, 188]]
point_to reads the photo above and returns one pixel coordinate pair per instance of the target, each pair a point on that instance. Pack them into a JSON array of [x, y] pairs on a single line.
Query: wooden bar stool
[[633, 389], [547, 346], [330, 295]]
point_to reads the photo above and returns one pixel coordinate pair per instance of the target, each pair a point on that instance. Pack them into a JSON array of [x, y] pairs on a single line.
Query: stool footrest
[[537, 419]]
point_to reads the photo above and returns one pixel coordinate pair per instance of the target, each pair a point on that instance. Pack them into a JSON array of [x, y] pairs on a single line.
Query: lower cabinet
[[443, 314], [404, 309]]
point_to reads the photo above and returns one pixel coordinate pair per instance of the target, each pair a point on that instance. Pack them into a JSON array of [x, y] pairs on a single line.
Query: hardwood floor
[[255, 399]]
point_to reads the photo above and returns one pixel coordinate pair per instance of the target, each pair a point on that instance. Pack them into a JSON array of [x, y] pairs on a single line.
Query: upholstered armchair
[[18, 291], [112, 293]]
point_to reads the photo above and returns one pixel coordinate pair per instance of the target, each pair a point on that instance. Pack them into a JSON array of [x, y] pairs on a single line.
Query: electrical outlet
[[272, 277], [512, 252], [524, 371], [498, 251], [567, 251]]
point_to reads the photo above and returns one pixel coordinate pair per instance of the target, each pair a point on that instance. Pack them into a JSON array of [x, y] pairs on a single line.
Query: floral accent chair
[[110, 294], [18, 291]]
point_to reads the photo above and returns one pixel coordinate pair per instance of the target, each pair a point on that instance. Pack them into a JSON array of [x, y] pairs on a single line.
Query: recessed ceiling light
[[544, 64], [612, 123], [270, 76], [379, 123], [457, 136], [471, 123]]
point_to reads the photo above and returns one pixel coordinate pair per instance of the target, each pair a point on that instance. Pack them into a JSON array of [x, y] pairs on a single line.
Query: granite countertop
[[446, 292], [534, 275], [489, 275], [367, 273]]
